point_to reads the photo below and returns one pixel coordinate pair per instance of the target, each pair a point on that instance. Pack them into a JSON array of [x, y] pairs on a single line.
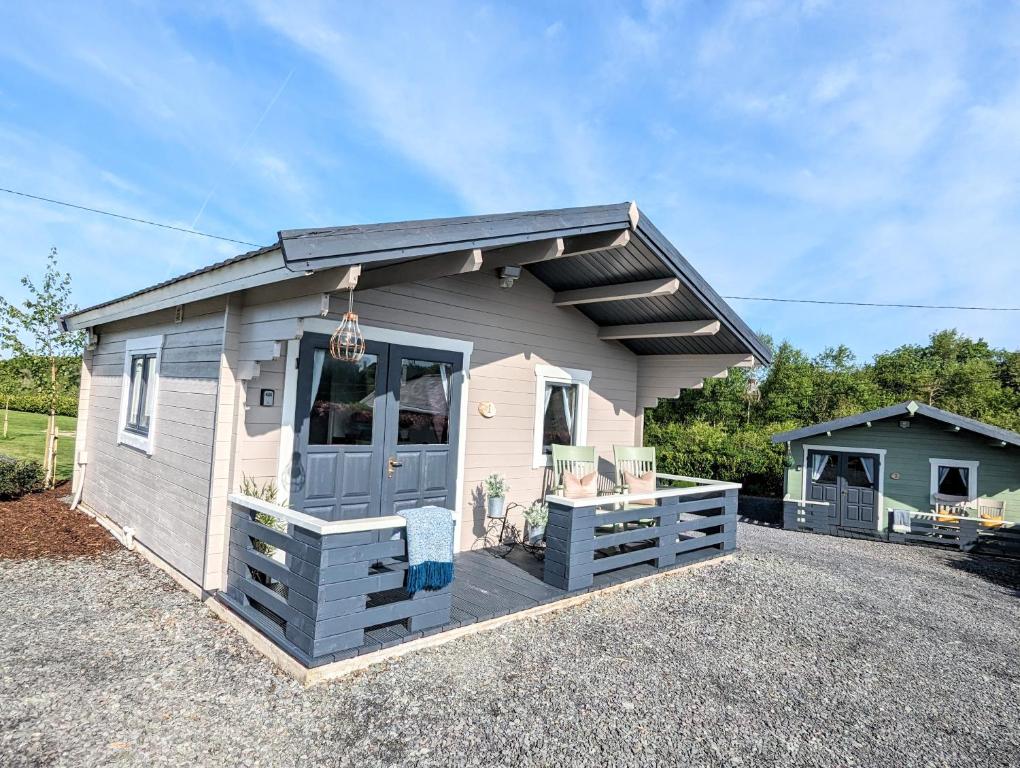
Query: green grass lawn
[[26, 439]]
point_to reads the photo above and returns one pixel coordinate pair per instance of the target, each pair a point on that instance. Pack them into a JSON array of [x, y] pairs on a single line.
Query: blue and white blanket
[[429, 548], [901, 521]]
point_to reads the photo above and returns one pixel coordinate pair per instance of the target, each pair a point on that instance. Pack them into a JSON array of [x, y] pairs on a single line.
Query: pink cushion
[[643, 484], [585, 488]]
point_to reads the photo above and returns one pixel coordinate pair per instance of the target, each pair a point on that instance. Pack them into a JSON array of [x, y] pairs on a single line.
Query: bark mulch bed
[[41, 525]]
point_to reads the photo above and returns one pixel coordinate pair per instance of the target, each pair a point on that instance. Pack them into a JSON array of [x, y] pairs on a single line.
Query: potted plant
[[496, 488], [537, 516]]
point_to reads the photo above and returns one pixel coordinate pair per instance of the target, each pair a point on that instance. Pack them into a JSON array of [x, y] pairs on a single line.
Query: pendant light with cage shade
[[348, 342]]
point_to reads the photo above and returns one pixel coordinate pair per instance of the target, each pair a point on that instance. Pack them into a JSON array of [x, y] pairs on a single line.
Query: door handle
[[392, 464]]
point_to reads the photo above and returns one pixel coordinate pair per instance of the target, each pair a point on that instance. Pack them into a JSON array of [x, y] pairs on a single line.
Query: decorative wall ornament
[[487, 409], [348, 342]]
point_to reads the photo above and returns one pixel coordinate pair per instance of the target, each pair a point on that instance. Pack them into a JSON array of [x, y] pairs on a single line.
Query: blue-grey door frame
[[337, 482]]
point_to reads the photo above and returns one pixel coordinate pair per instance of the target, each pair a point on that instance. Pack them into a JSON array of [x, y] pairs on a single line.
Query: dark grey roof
[[646, 256], [305, 249], [892, 411]]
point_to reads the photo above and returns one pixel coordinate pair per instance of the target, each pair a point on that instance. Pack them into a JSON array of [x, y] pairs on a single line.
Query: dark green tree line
[[722, 430]]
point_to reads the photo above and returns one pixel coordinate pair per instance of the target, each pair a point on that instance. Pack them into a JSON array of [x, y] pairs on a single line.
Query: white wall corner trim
[[137, 346], [551, 374]]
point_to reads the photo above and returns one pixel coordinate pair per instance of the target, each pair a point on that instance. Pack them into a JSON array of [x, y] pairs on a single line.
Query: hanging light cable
[[348, 342]]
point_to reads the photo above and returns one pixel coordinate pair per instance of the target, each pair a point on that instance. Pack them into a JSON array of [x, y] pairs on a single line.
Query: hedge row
[[38, 402], [700, 449], [18, 477]]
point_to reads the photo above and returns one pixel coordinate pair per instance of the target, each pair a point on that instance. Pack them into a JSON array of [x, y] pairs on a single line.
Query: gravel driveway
[[806, 650]]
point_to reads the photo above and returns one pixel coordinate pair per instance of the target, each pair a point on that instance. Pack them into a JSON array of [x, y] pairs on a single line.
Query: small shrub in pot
[[537, 516], [496, 489]]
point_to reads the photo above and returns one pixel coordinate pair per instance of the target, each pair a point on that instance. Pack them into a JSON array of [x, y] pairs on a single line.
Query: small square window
[[954, 480]]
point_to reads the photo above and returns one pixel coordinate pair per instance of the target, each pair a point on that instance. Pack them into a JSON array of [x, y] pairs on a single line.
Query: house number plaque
[[487, 409]]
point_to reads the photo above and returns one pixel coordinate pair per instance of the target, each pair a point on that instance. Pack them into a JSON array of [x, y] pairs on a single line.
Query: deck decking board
[[487, 587]]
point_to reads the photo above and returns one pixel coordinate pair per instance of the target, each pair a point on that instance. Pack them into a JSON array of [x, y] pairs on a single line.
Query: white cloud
[[464, 99]]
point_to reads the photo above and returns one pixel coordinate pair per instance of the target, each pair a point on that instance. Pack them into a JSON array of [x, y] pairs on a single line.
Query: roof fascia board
[[837, 424], [317, 249], [900, 409], [262, 269]]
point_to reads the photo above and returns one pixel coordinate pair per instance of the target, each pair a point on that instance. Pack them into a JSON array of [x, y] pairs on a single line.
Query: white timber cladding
[[972, 475], [163, 495], [551, 374], [141, 345]]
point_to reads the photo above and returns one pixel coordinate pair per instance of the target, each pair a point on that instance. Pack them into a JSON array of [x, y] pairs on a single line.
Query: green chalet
[[903, 469]]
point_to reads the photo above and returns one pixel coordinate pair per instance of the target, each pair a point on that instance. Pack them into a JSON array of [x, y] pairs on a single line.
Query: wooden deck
[[338, 594], [486, 586]]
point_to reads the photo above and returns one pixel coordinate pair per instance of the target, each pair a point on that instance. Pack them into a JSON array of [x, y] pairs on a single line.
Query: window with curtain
[[561, 409], [953, 481], [560, 423], [139, 401], [140, 393], [343, 400], [424, 402], [860, 471]]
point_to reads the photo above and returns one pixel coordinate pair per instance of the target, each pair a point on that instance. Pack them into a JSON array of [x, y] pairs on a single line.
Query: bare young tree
[[33, 334]]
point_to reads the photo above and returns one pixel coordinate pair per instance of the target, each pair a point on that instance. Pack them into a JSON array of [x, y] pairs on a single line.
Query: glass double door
[[375, 436], [848, 482]]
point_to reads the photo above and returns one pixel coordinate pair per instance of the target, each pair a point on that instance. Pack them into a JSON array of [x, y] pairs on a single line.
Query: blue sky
[[848, 151]]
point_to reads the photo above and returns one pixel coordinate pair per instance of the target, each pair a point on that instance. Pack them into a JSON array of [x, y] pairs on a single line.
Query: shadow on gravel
[[1000, 572]]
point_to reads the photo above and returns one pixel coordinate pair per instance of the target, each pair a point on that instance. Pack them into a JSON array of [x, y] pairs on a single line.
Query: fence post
[[569, 547], [968, 535], [730, 526], [666, 540]]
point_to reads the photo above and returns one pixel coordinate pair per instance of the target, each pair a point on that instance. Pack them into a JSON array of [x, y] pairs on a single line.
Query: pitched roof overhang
[[638, 263], [592, 257], [908, 409]]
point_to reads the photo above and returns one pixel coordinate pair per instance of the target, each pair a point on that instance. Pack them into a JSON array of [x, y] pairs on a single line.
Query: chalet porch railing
[[315, 586], [807, 515], [586, 537], [968, 534]]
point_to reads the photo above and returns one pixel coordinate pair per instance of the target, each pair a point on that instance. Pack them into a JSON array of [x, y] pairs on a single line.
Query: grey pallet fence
[[582, 542], [814, 518], [329, 589], [967, 535]]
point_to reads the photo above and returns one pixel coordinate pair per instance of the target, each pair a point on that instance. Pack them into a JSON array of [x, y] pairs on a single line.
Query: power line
[[126, 218], [736, 298], [873, 304]]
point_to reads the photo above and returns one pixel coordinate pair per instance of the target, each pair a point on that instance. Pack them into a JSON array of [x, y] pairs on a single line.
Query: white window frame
[[551, 374], [972, 476], [140, 346]]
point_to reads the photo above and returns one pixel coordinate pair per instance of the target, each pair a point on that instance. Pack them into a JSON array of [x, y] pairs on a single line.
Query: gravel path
[[806, 650]]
